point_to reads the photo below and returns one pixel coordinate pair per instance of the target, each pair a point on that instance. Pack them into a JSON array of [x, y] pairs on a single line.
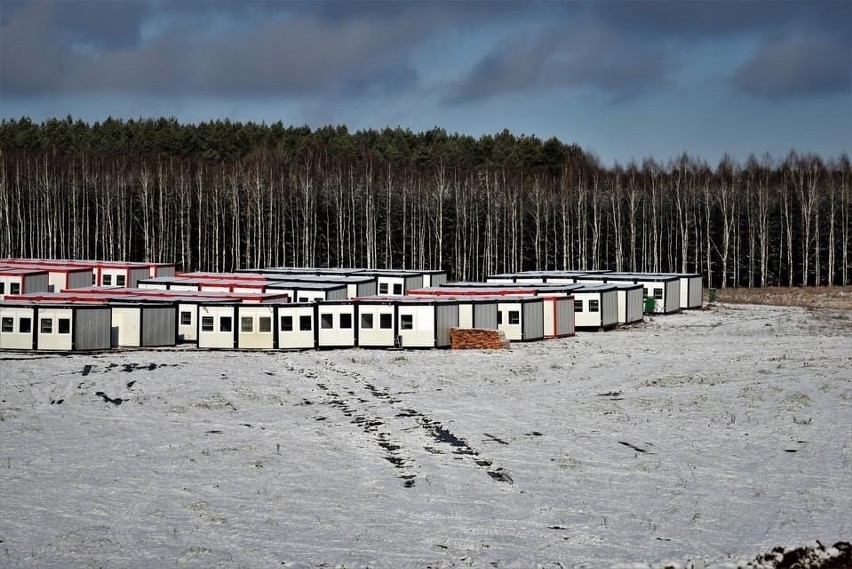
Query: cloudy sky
[[623, 79]]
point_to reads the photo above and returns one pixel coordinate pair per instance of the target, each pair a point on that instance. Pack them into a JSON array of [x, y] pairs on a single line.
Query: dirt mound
[[814, 556]]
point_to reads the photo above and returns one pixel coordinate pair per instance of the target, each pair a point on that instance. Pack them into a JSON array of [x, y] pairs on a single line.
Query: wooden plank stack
[[477, 339]]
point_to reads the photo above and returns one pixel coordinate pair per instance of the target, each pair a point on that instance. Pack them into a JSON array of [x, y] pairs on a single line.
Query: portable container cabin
[[336, 324], [232, 325], [310, 291], [595, 306], [143, 324], [395, 283], [161, 269], [256, 326], [307, 271], [169, 283], [521, 318], [434, 277], [55, 327], [357, 286], [16, 280], [405, 322], [297, 326], [61, 277], [691, 289], [120, 274], [630, 302], [664, 289]]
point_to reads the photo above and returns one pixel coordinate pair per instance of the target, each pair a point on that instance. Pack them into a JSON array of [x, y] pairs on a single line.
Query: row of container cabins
[[332, 309]]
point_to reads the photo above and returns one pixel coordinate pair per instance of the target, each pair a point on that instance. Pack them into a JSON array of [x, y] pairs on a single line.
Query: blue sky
[[623, 79]]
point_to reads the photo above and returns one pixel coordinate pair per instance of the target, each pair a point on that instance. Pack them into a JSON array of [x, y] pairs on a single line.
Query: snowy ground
[[711, 436]]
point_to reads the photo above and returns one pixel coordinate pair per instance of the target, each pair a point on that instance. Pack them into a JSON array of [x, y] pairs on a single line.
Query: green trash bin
[[650, 305]]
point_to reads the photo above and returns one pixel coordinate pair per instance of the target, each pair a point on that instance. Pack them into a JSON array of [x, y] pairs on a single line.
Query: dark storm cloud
[[342, 49], [787, 67], [587, 57], [266, 50]]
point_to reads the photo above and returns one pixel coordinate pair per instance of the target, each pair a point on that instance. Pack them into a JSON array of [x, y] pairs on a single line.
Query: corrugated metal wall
[[533, 320], [672, 296], [565, 316], [79, 279], [38, 283], [92, 328], [446, 317], [159, 326], [635, 308], [485, 315], [609, 308]]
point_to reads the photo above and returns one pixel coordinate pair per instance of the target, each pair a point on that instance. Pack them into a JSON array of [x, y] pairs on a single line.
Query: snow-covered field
[[712, 436]]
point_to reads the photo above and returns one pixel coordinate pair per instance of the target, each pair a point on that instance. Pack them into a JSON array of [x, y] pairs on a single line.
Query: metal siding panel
[[673, 296], [159, 324], [609, 308], [485, 315], [447, 317], [92, 328], [533, 320]]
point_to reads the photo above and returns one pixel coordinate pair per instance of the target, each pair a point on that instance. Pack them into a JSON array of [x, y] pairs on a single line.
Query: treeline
[[221, 195]]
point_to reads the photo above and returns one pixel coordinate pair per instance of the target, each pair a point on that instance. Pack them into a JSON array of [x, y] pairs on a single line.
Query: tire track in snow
[[439, 439]]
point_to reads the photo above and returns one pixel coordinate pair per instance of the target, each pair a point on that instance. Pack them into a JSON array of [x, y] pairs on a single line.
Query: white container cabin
[[17, 280], [406, 322], [357, 286], [664, 289], [558, 313], [120, 274], [595, 306], [60, 277], [395, 283], [521, 318], [631, 302], [691, 289], [297, 326], [141, 324], [337, 324], [310, 291], [256, 326], [55, 327]]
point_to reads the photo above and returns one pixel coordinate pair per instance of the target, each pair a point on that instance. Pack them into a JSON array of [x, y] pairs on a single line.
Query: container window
[[46, 325], [305, 323], [286, 323], [206, 323], [397, 289], [326, 321], [406, 322], [383, 288], [499, 317], [366, 321], [226, 324], [25, 325], [645, 293], [2, 288], [345, 321], [107, 280], [185, 318], [514, 317], [385, 321], [8, 325], [14, 288], [658, 294], [594, 306], [64, 325], [246, 324], [264, 324], [578, 306], [304, 299], [120, 280]]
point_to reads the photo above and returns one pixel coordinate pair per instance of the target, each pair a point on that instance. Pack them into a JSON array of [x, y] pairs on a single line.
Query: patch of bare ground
[[816, 297]]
